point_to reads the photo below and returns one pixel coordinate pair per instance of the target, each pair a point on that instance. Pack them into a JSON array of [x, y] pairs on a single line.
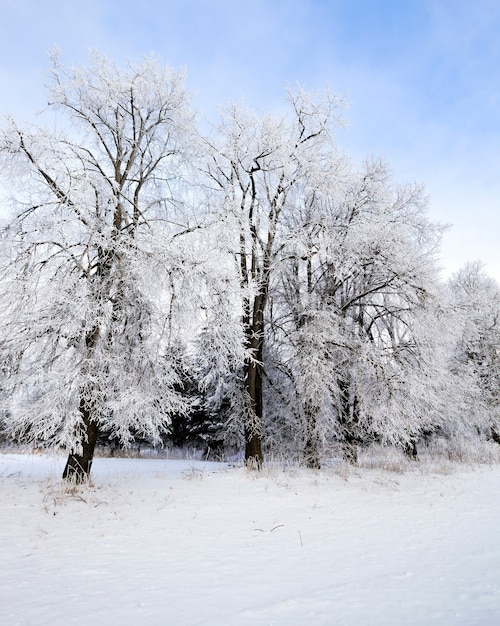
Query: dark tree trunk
[[311, 455], [350, 449], [495, 435], [78, 466], [349, 420], [410, 450], [311, 448], [254, 457]]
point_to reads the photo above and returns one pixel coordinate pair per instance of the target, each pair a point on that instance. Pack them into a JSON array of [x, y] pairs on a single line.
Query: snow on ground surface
[[163, 542]]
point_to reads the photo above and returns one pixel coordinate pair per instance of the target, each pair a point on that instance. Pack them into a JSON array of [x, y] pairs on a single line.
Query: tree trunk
[[253, 370], [410, 450], [311, 455], [254, 457], [311, 448], [349, 419], [495, 435], [78, 466], [350, 449]]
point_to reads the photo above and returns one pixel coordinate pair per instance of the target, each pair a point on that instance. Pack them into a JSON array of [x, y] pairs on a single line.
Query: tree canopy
[[250, 287]]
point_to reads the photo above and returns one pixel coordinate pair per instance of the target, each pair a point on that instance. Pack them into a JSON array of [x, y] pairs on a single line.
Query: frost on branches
[[354, 316], [256, 165], [475, 300], [88, 290], [250, 288]]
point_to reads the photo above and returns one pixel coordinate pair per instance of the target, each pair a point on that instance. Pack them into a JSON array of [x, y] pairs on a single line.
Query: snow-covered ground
[[161, 542]]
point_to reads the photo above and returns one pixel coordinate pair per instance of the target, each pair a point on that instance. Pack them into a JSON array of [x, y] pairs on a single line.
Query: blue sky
[[422, 78]]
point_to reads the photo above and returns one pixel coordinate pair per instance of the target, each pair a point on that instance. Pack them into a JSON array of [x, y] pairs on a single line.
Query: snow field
[[189, 543]]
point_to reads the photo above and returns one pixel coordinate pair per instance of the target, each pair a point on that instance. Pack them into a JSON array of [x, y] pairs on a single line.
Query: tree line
[[249, 286]]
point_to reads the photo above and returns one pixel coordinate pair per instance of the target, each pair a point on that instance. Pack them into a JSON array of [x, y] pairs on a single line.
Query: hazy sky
[[422, 78]]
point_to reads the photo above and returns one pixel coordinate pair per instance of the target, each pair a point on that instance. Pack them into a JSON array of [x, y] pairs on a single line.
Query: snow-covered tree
[[255, 165], [90, 288], [299, 309], [475, 301], [355, 314]]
